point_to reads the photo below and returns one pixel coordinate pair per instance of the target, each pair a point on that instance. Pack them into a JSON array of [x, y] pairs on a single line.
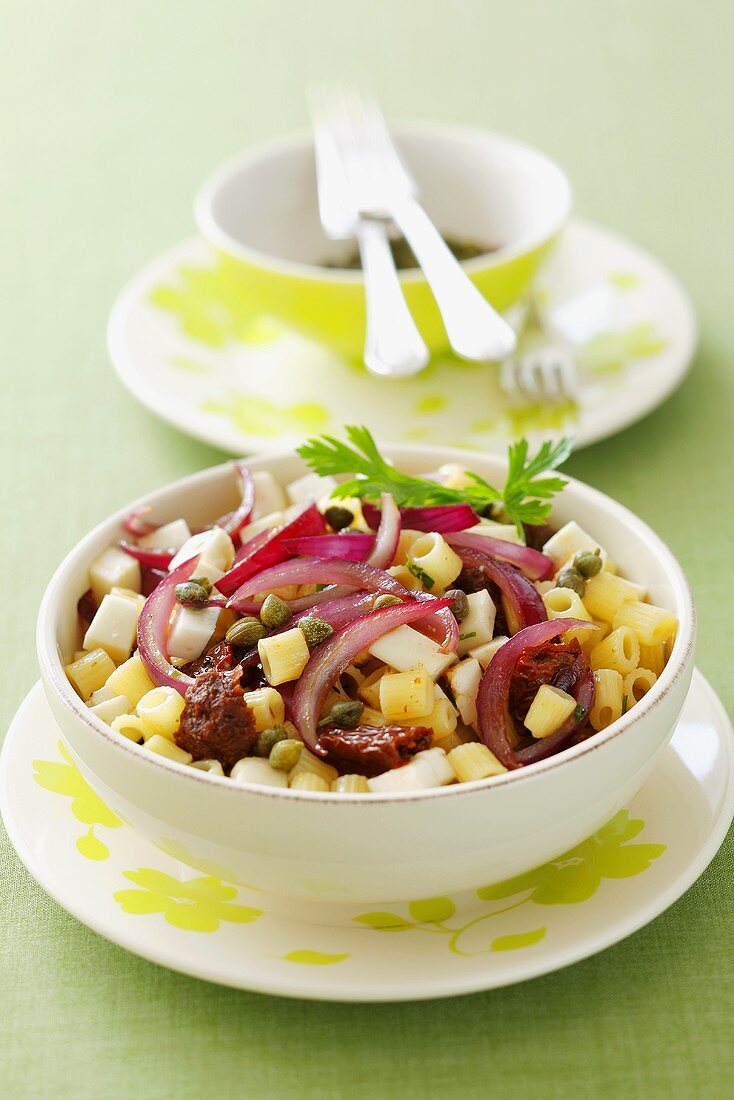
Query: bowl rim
[[213, 232], [53, 674]]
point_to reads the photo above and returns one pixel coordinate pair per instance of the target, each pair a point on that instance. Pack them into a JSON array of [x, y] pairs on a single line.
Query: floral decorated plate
[[200, 922], [187, 344]]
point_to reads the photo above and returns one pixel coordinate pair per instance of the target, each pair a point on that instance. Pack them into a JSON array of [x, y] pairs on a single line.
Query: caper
[[246, 632], [268, 738], [588, 565], [191, 594], [459, 603], [315, 630], [205, 584], [274, 612], [386, 600], [284, 754], [571, 578], [345, 715], [338, 517]]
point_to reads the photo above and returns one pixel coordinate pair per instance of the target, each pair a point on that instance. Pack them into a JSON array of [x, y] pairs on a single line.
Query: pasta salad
[[364, 631]]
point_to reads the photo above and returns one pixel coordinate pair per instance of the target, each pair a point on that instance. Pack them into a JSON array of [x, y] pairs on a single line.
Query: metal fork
[[393, 345], [385, 189]]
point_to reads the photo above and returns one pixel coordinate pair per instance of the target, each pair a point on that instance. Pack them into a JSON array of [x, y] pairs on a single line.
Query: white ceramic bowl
[[334, 848], [261, 211]]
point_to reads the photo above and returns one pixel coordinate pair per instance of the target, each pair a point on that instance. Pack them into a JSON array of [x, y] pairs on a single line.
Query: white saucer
[[185, 342], [195, 922]]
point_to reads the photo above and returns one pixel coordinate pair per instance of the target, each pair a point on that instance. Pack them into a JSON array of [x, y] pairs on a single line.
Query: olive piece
[[386, 600], [274, 612], [571, 578], [191, 594], [269, 738], [588, 565], [338, 517], [284, 754], [345, 715], [245, 632], [315, 630], [459, 603]]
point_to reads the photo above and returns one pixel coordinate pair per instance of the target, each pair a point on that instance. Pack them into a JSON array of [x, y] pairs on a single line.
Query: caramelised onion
[[388, 534], [233, 522], [153, 629], [520, 600], [495, 724], [441, 518], [267, 548], [356, 574], [153, 559], [533, 564], [331, 659], [355, 546]]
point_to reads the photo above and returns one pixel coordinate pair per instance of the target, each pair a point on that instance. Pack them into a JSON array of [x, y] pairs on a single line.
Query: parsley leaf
[[418, 571], [525, 498]]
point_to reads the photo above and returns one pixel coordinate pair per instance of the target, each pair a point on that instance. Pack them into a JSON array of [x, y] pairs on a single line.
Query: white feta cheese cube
[[477, 626], [404, 648], [310, 488], [464, 678], [269, 495], [191, 632], [427, 769], [569, 541], [171, 536], [485, 653], [113, 628], [215, 547], [253, 769], [271, 520], [114, 569], [112, 708], [505, 531]]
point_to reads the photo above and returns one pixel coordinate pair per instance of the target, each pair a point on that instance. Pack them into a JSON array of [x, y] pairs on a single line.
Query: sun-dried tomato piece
[[560, 664], [217, 723], [371, 750], [222, 657]]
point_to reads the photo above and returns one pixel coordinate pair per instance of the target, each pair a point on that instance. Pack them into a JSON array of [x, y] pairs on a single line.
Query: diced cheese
[[215, 547], [569, 541], [310, 488], [404, 648], [191, 631], [485, 653], [505, 531], [464, 678], [269, 495], [101, 695], [114, 568], [427, 769], [253, 769], [171, 536], [128, 594], [477, 626], [264, 523], [113, 628], [112, 708]]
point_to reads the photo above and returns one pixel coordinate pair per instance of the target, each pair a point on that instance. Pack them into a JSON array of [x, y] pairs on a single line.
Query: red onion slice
[[356, 574], [233, 522], [441, 518], [533, 564], [153, 629], [345, 547], [520, 600], [388, 534], [331, 658], [153, 559], [136, 526], [494, 720], [267, 549], [583, 693]]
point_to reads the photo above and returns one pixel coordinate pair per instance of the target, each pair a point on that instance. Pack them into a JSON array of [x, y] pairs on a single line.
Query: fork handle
[[393, 346], [475, 330]]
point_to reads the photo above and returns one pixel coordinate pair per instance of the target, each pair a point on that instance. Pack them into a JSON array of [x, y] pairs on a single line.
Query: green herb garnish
[[625, 703], [579, 713], [525, 498], [466, 637], [419, 573]]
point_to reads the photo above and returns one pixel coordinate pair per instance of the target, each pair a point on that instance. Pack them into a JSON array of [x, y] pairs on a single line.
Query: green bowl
[[260, 211]]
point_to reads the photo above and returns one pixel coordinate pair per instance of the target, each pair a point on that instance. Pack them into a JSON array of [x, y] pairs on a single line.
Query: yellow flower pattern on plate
[[195, 905]]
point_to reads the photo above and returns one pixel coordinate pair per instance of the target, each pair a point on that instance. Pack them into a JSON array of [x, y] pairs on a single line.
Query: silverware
[[393, 345]]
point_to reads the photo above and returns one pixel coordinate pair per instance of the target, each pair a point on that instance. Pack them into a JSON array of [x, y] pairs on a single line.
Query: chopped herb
[[525, 498], [625, 703], [579, 713], [425, 578], [465, 637]]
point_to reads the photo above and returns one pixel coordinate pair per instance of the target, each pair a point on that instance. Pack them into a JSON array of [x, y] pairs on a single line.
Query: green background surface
[[110, 115]]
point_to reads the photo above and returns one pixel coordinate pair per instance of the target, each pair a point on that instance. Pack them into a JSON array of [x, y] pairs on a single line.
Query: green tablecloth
[[110, 116]]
